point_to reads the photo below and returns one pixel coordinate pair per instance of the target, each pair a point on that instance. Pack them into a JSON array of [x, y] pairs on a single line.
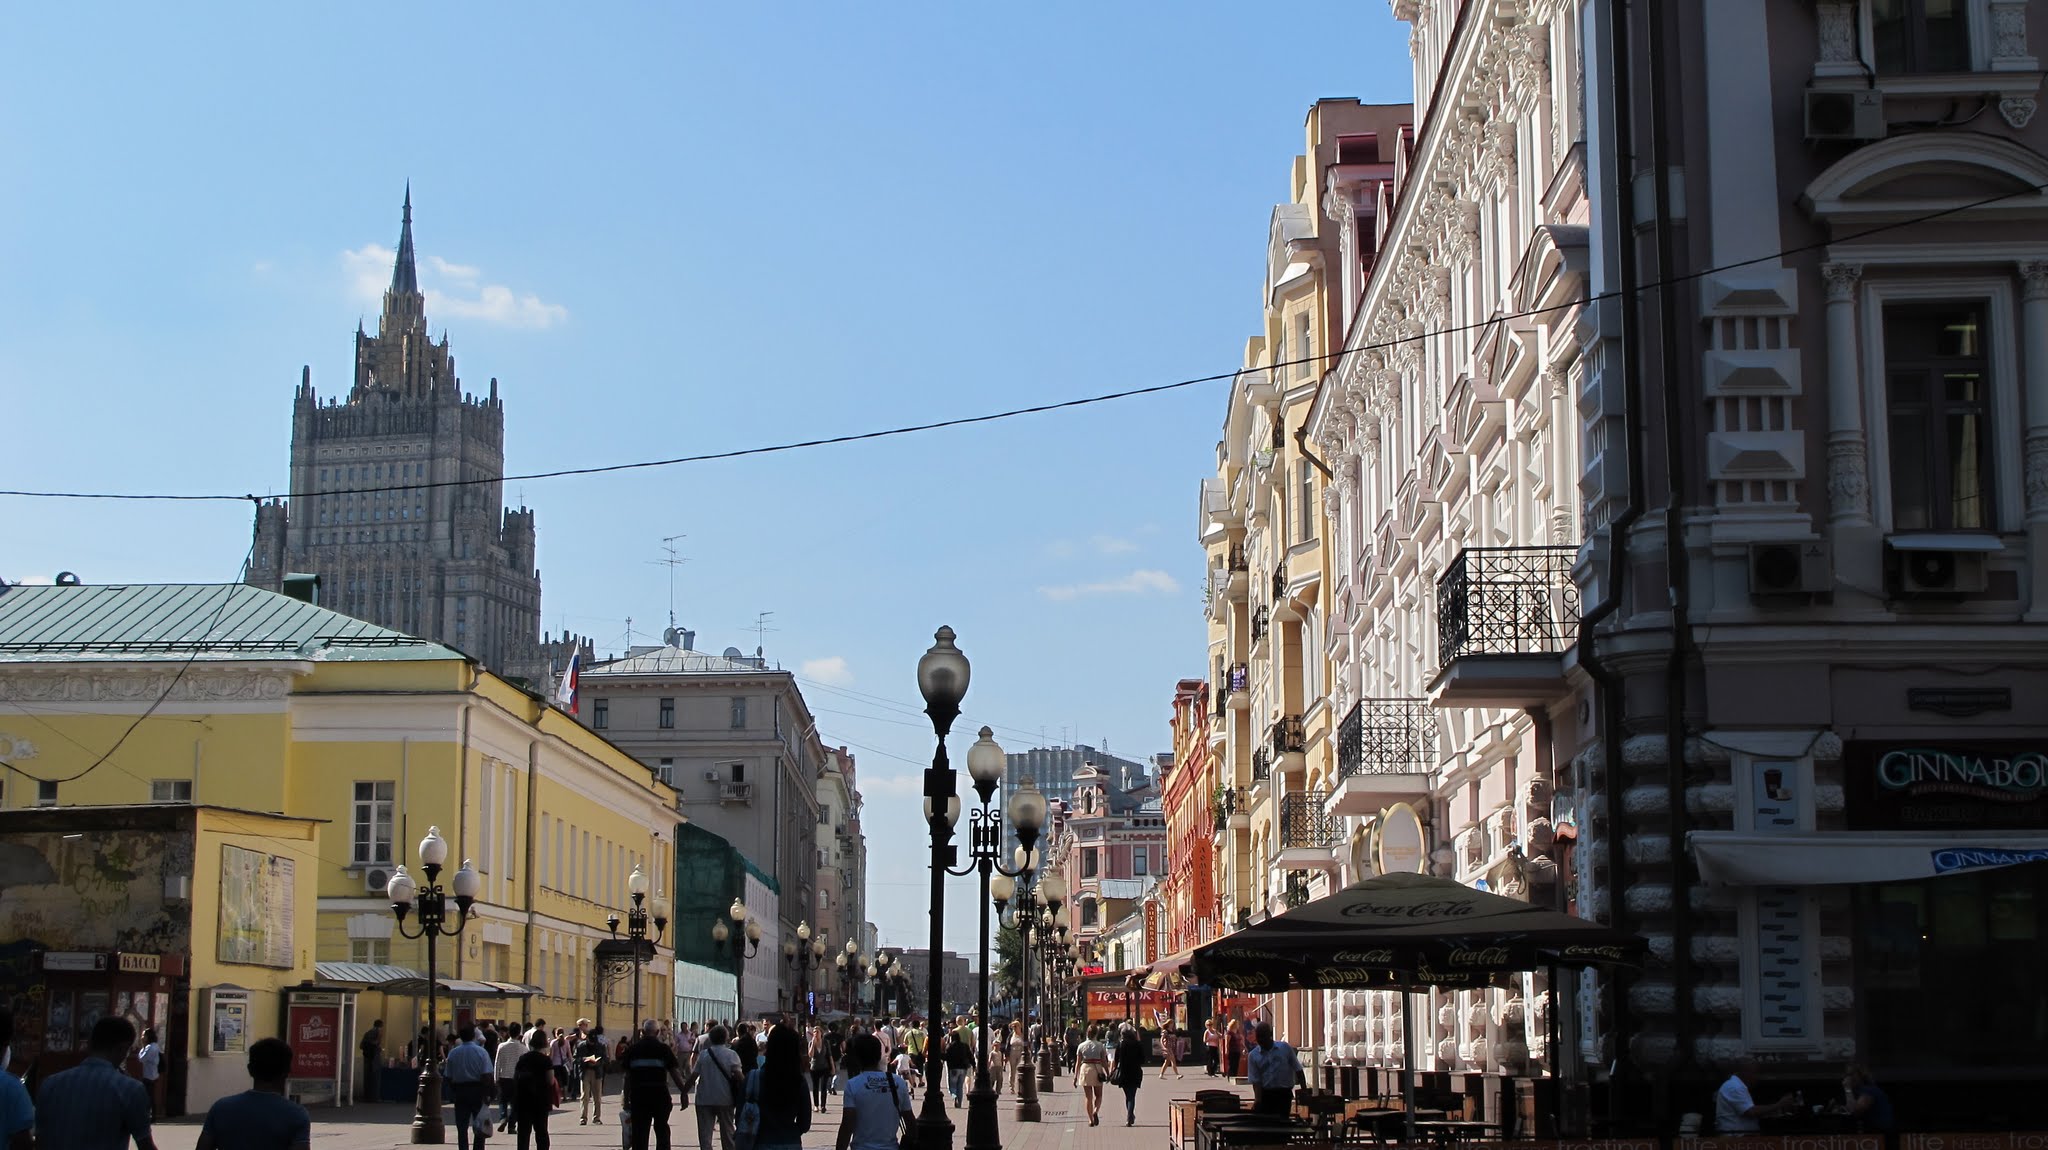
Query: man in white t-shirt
[[1735, 1111], [876, 1100]]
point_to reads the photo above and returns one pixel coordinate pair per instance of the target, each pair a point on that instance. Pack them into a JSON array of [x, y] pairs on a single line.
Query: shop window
[[1978, 937]]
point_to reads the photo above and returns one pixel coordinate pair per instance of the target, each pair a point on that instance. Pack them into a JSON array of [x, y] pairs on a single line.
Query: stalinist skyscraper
[[396, 496]]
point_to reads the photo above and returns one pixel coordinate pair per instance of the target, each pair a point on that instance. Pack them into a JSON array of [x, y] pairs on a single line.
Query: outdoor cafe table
[[1445, 1132], [1221, 1131]]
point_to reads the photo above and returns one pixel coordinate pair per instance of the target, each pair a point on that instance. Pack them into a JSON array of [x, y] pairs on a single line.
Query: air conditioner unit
[[376, 878], [736, 793], [712, 776], [1936, 572], [1849, 114], [1790, 567]]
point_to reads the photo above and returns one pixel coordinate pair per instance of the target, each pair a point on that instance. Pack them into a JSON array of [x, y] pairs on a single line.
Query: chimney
[[689, 640], [303, 586]]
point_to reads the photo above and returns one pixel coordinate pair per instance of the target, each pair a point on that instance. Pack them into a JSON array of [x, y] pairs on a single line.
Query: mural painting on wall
[[256, 907], [107, 894]]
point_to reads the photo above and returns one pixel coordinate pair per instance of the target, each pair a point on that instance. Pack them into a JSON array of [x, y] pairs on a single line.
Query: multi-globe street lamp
[[407, 895], [744, 937], [942, 677], [1054, 888], [890, 982], [849, 965], [1001, 890], [638, 951], [803, 957], [985, 761]]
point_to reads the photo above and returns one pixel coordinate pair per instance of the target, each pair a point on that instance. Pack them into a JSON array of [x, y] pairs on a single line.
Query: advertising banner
[[315, 1034]]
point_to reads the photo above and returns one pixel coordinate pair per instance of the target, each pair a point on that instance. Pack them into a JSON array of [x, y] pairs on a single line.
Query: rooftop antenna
[[761, 628], [629, 632], [668, 544]]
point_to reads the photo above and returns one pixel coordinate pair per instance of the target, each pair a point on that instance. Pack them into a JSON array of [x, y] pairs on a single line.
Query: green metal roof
[[174, 622]]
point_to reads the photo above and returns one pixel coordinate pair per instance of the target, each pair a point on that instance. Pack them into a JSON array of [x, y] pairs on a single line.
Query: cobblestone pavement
[[1064, 1125]]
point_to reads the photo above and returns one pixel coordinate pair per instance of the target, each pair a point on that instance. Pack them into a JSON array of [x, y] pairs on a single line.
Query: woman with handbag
[[821, 1068], [777, 1094], [1091, 1066], [877, 1114], [1130, 1070]]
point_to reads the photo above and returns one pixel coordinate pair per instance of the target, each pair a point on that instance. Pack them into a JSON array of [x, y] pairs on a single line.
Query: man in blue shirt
[[1274, 1070], [260, 1118], [467, 1071], [93, 1106], [17, 1113]]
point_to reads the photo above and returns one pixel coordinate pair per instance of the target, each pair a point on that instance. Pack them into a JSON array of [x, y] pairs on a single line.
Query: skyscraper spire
[[404, 276]]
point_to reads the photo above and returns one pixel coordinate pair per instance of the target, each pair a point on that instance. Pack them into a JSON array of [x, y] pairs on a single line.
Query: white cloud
[[831, 669], [1113, 545], [1060, 549], [453, 290], [1145, 581]]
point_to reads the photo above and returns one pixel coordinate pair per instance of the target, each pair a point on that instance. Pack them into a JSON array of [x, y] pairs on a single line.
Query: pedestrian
[[149, 1060], [93, 1106], [533, 1091], [778, 1092], [467, 1072], [1274, 1070], [1129, 1070], [372, 1047], [506, 1064], [590, 1069], [747, 1047], [821, 1068], [1212, 1045], [1233, 1049], [718, 1085], [1169, 1050], [651, 1064], [877, 1102], [17, 1113], [959, 1063], [1091, 1067], [261, 1117], [1072, 1043]]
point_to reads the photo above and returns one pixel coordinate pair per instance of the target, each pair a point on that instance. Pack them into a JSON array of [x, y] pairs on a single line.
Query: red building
[[1187, 787]]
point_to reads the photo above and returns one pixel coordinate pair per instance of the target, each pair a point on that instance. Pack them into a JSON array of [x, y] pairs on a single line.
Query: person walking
[[959, 1063], [93, 1106], [261, 1117], [821, 1068], [1274, 1070], [778, 1091], [533, 1091], [877, 1102], [505, 1061], [651, 1064], [467, 1072], [372, 1047], [1212, 1045], [1169, 1050], [719, 1079], [149, 1061], [1129, 1070], [590, 1057], [17, 1113], [1091, 1067]]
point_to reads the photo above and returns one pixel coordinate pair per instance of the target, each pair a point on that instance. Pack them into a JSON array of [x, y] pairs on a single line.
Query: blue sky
[[686, 228]]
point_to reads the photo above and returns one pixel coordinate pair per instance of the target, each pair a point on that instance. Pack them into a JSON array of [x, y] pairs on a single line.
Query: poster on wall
[[230, 1022], [1965, 785], [256, 908], [1774, 795], [314, 1030], [1784, 1011]]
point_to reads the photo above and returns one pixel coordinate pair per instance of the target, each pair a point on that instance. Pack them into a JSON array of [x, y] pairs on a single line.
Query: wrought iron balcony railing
[[1287, 737], [1222, 702], [1262, 765], [1236, 559], [1261, 618], [1387, 737], [1303, 823], [1279, 582], [1240, 677], [1507, 601]]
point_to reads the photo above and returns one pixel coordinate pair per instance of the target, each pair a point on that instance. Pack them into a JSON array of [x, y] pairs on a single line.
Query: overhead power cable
[[1041, 408]]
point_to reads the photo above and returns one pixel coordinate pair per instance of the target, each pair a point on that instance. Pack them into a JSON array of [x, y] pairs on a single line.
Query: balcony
[[1505, 616], [1283, 603], [1239, 682], [1262, 765], [1238, 573], [1259, 386], [1262, 618], [1309, 835], [1288, 743], [1386, 752]]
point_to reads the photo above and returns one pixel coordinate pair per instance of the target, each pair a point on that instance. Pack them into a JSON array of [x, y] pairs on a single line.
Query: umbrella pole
[[1408, 1060]]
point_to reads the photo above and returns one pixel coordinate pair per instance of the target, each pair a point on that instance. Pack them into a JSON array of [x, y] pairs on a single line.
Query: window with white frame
[[1913, 36], [370, 950], [371, 826], [1942, 397], [170, 790], [1938, 414]]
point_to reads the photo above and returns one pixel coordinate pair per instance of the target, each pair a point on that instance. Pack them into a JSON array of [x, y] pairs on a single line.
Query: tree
[[1009, 960]]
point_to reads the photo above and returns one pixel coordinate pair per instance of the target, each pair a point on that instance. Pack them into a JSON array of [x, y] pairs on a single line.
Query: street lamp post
[[985, 761], [942, 677], [408, 895], [803, 957], [1001, 891], [744, 937], [1054, 888], [637, 917]]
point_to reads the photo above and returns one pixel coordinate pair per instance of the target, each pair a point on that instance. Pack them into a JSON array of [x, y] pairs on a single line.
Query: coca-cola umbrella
[[1402, 932]]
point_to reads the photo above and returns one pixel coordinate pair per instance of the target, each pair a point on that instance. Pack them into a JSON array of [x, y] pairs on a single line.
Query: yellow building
[[238, 697]]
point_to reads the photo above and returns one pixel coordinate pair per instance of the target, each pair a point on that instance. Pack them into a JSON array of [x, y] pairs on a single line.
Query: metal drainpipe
[[1675, 558], [1609, 685]]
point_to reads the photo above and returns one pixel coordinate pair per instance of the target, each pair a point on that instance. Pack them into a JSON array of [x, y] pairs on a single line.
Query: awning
[[371, 974], [404, 980], [1820, 858]]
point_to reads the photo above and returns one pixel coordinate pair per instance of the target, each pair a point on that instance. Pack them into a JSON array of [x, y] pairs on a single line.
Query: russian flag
[[565, 688]]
